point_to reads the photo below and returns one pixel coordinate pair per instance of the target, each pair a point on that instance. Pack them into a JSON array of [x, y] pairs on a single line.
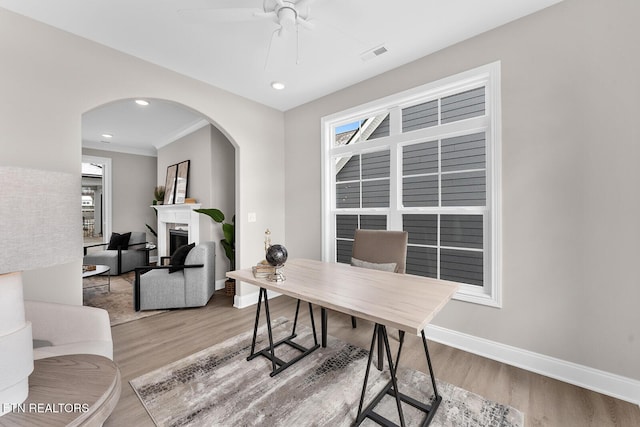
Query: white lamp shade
[[40, 218]]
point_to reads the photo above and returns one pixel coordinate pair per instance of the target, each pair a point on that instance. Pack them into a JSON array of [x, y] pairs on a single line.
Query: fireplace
[[177, 238], [177, 216]]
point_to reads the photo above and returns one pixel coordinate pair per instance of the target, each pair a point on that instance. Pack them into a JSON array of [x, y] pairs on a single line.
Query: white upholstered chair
[[60, 329]]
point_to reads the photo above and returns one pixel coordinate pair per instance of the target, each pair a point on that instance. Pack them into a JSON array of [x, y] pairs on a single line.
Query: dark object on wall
[[151, 230]]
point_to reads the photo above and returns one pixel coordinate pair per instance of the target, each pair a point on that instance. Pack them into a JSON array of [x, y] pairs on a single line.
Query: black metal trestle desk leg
[[391, 389], [277, 364], [323, 325]]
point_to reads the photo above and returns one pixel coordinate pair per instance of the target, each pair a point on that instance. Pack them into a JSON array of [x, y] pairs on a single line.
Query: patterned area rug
[[219, 387], [118, 302]]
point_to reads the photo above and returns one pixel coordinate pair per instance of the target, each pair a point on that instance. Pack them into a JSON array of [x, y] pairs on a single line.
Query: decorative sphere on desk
[[277, 255]]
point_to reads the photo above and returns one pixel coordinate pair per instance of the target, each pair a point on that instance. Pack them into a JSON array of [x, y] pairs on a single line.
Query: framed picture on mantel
[[170, 184], [182, 181]]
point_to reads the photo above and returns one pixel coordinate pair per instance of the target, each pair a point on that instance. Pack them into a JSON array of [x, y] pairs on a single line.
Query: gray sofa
[[192, 286], [119, 260]]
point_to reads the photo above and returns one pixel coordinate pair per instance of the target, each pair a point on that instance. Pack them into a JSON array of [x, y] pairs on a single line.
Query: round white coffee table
[[99, 269]]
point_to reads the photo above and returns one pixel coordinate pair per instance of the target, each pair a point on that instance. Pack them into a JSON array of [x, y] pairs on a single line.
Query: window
[[425, 161]]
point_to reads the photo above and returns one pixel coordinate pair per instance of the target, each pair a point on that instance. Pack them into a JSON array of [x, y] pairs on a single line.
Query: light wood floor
[[147, 344]]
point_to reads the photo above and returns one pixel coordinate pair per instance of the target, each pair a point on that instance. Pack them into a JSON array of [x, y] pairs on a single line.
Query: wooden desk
[[402, 301], [71, 390]]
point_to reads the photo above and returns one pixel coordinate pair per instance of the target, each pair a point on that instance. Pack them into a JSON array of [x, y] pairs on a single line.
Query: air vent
[[379, 51], [372, 53]]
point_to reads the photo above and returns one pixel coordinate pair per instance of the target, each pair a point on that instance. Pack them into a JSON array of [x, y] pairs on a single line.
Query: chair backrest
[[381, 246], [137, 237]]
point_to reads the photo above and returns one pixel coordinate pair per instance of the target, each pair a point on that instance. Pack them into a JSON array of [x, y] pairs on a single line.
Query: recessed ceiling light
[[277, 85], [142, 102], [107, 135]]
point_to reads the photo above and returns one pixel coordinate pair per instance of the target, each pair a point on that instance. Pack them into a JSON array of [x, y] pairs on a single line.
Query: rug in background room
[[118, 302], [219, 387]]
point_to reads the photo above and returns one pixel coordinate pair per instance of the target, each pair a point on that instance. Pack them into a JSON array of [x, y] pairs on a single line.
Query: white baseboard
[[243, 301], [613, 385], [220, 284]]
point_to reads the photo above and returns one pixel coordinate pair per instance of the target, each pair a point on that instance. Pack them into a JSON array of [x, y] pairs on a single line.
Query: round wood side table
[[70, 390]]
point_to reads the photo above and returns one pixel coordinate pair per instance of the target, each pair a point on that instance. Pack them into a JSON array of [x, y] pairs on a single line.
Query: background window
[[421, 164]]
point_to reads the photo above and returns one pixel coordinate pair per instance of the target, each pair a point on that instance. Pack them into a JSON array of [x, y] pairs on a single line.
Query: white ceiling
[[138, 129], [224, 42]]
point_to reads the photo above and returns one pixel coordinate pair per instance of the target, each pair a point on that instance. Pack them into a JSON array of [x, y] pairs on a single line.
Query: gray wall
[[133, 181], [50, 78], [223, 187], [195, 147], [211, 179], [570, 176]]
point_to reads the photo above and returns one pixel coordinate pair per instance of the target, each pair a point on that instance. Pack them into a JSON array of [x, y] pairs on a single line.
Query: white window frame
[[489, 76]]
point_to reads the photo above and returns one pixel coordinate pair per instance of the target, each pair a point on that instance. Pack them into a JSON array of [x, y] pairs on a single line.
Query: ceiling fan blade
[[309, 25], [262, 14], [218, 4], [223, 15], [302, 4]]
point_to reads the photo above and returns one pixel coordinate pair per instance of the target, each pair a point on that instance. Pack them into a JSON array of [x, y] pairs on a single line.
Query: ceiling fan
[[289, 15]]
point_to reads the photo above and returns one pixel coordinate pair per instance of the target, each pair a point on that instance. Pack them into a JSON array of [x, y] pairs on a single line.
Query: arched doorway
[[141, 141]]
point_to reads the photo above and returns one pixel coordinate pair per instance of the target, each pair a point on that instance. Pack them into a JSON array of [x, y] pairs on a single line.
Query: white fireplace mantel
[[169, 215]]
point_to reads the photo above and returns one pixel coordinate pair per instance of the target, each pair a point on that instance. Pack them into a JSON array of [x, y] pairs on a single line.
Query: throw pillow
[[119, 240], [179, 257], [388, 266]]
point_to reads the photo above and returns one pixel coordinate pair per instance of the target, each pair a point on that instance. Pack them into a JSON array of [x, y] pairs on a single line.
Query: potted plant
[[228, 242], [158, 193]]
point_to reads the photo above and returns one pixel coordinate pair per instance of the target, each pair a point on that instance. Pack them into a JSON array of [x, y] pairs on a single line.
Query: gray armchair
[[123, 258], [156, 288]]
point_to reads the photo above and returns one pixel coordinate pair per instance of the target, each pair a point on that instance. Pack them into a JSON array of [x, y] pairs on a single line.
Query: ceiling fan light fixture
[[277, 85], [287, 18], [142, 102]]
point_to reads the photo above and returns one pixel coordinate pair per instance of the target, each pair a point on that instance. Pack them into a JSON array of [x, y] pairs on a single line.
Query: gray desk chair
[[375, 249], [380, 250]]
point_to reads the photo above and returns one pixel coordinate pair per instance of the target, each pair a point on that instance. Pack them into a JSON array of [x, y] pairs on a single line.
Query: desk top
[[71, 390], [403, 301]]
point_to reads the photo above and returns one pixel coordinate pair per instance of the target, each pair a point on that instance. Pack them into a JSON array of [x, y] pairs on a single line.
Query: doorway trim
[[106, 191]]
